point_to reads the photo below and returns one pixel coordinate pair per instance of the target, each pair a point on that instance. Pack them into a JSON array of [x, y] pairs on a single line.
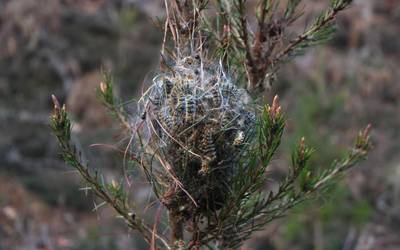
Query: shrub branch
[[111, 194]]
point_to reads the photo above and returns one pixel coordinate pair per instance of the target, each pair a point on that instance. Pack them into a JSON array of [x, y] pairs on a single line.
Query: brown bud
[[275, 109], [55, 102], [302, 143], [103, 87], [114, 183], [302, 148], [367, 131], [275, 103]]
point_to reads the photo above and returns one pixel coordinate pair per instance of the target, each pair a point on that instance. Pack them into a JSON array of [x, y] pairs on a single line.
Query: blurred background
[[59, 46]]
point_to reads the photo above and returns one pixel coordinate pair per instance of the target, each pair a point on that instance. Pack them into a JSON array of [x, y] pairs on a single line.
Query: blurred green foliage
[[314, 108], [129, 17], [96, 240]]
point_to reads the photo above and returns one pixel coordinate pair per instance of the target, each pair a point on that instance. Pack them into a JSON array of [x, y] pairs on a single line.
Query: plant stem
[[176, 227]]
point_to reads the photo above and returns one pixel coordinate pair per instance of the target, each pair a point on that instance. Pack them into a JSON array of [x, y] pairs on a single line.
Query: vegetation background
[[59, 46]]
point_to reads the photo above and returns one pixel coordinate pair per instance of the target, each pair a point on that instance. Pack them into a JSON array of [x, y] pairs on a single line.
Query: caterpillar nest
[[199, 122]]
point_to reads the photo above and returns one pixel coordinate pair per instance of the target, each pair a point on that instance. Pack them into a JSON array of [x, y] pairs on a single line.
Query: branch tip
[[302, 144], [275, 109], [103, 87], [367, 131], [55, 102]]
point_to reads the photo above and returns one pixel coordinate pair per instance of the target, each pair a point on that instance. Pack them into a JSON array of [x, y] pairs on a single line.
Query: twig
[[307, 34]]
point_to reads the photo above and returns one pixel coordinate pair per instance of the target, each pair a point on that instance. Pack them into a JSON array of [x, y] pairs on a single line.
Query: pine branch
[[249, 210], [319, 32], [302, 184], [290, 10], [107, 98], [243, 30], [262, 52], [112, 194]]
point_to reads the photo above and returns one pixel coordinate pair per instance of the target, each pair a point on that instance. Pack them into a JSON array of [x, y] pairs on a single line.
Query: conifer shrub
[[202, 136]]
